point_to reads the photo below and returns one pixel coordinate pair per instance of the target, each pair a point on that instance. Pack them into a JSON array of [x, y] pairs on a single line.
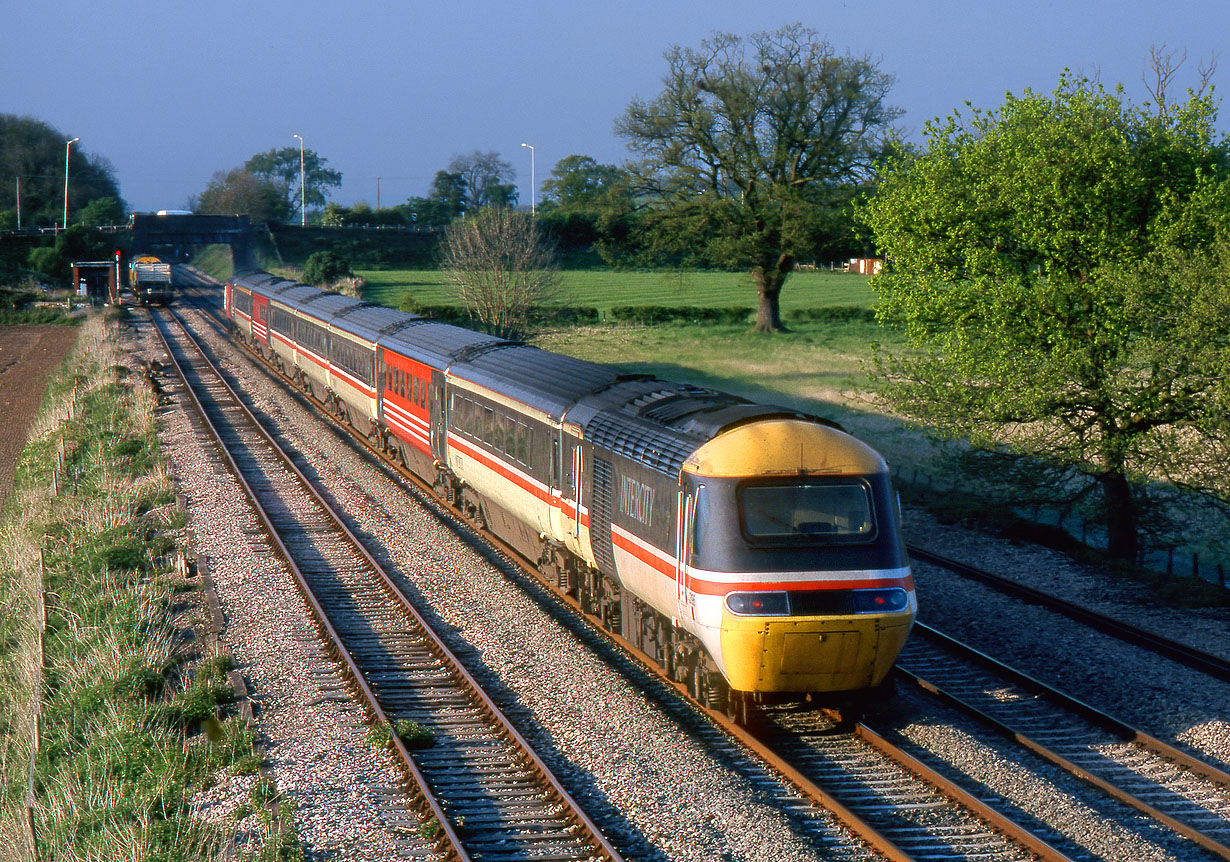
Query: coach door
[[683, 552], [439, 432], [570, 485]]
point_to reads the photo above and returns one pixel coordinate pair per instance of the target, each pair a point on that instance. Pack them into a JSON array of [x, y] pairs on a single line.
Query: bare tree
[[488, 178], [1161, 69], [501, 266]]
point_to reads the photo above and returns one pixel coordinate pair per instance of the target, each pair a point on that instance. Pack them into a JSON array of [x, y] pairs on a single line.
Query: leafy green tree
[[1060, 268], [34, 151], [581, 196], [280, 167], [749, 148], [48, 261], [323, 268], [101, 211], [445, 203], [81, 243], [578, 183], [238, 192]]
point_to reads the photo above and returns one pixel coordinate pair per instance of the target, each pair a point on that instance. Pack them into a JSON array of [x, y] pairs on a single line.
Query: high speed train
[[752, 550]]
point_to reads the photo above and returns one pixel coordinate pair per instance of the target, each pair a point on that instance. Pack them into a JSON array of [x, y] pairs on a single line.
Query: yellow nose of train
[[797, 568]]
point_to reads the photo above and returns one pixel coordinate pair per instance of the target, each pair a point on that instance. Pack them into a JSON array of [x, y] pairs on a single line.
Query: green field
[[603, 289], [817, 366]]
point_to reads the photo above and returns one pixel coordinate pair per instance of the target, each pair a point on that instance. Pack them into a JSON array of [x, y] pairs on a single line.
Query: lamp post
[[533, 183], [302, 188], [67, 146]]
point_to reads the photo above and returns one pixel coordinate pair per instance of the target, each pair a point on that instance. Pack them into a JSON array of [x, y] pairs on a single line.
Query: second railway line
[[1111, 854]]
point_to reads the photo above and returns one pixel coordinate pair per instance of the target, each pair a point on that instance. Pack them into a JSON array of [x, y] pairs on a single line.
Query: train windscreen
[[807, 513]]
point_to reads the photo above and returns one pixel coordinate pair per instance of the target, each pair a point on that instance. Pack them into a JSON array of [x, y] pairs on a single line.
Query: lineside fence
[[1167, 560]]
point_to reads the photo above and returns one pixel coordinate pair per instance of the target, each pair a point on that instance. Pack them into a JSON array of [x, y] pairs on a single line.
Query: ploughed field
[[28, 354]]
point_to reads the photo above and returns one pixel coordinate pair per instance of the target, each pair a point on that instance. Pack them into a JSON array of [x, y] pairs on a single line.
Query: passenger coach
[[752, 550]]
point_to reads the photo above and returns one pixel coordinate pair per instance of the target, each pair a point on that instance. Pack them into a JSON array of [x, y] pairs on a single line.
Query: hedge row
[[645, 315]]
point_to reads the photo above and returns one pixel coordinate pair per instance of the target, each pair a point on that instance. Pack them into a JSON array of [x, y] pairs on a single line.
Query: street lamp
[[302, 188], [533, 183], [66, 148]]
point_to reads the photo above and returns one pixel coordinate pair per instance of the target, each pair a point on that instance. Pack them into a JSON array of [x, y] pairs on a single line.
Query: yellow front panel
[[800, 654]]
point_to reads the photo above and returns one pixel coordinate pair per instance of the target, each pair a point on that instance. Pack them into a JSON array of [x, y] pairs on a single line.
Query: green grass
[[129, 712], [603, 289], [818, 366]]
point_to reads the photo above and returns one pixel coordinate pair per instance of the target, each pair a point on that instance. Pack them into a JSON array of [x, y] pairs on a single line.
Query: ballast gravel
[[1157, 695], [658, 791], [661, 792]]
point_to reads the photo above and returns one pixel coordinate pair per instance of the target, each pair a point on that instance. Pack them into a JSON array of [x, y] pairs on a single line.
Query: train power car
[[149, 278], [752, 550]]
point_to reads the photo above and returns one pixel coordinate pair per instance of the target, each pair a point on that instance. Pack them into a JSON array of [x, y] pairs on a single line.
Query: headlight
[[879, 601], [758, 604]]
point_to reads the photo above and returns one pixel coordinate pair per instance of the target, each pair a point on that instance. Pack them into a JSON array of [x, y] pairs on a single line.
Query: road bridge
[[151, 231]]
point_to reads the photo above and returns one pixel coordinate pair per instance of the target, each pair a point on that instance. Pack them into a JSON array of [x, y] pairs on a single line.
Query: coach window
[[523, 444], [700, 520], [487, 430]]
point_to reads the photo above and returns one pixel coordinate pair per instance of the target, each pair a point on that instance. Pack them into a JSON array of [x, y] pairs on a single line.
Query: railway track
[[906, 811], [480, 789], [1213, 665], [916, 814], [1153, 777]]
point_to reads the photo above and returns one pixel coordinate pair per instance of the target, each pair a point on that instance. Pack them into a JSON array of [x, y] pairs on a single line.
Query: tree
[[445, 203], [749, 146], [1059, 269], [281, 168], [500, 266], [34, 151], [237, 191], [488, 179], [101, 211], [577, 184], [577, 199], [329, 270]]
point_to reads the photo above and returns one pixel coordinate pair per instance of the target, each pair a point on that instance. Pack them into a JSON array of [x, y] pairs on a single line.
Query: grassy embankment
[[114, 691]]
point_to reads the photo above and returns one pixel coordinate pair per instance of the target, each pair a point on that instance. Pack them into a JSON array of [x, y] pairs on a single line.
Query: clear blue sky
[[173, 91]]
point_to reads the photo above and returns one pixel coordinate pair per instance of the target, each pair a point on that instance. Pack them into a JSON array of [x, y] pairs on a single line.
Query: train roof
[[434, 343], [546, 381], [660, 424], [369, 320], [326, 305], [253, 279], [294, 294]]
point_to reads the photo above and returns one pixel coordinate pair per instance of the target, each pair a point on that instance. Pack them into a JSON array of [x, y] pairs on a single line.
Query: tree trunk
[[1121, 538], [769, 281]]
